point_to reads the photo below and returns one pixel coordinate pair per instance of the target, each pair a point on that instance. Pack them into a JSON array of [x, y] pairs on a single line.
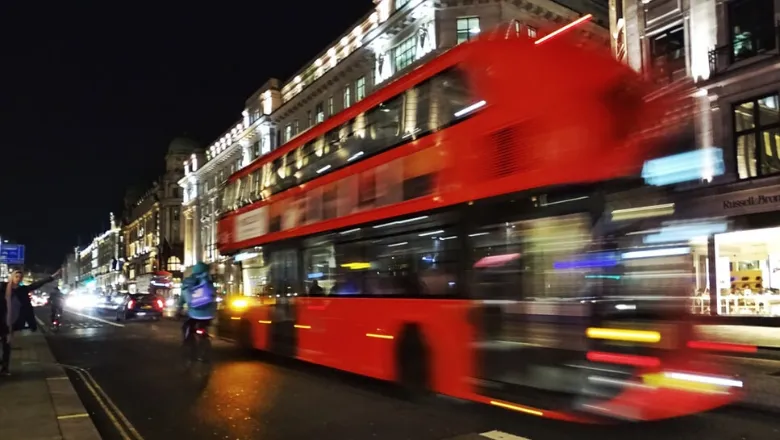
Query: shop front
[[737, 252]]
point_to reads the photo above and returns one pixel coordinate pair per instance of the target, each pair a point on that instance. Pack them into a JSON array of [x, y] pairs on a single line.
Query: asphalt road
[[255, 396]]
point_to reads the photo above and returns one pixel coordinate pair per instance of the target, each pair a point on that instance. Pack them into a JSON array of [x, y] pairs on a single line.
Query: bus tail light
[[721, 346], [623, 359]]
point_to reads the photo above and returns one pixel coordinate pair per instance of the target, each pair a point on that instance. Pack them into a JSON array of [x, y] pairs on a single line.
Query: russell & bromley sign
[[746, 201], [739, 202], [755, 200]]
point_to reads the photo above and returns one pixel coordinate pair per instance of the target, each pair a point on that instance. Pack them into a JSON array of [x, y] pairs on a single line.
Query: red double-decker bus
[[455, 232]]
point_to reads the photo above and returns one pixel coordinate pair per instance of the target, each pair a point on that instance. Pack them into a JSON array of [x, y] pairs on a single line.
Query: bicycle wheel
[[204, 349], [188, 352]]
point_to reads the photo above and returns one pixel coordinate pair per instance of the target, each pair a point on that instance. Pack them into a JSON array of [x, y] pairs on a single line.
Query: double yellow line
[[126, 429], [117, 418]]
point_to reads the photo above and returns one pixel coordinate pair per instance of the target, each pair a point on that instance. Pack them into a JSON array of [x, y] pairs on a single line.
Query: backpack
[[202, 295]]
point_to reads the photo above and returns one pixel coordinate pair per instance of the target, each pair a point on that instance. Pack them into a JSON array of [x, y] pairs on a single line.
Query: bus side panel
[[260, 321], [330, 333], [360, 335], [450, 336], [324, 333]]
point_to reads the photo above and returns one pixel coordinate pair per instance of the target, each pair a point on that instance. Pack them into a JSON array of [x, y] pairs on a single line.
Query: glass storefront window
[[747, 272]]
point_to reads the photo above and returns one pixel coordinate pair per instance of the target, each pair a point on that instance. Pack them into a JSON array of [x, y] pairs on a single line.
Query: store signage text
[[752, 201]]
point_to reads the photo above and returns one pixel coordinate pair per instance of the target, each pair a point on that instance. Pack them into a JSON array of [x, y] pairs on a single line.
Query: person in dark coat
[[15, 311]]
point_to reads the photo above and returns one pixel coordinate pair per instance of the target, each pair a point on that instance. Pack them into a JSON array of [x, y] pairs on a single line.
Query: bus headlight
[[239, 304]]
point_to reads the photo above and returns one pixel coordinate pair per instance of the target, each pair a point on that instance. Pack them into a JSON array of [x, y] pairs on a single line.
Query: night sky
[[93, 94]]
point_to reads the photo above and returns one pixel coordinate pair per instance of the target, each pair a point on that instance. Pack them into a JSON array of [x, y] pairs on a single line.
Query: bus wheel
[[413, 363]]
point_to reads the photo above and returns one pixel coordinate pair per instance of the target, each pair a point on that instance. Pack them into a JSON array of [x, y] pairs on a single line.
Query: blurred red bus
[[442, 233]]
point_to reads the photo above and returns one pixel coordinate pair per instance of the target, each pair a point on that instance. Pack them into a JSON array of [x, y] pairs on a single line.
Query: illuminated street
[[253, 396]]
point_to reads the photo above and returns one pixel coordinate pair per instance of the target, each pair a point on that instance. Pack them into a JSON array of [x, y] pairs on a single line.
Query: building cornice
[[147, 213], [223, 156]]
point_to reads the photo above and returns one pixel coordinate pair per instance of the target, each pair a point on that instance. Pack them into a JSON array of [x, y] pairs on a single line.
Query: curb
[[74, 421], [757, 407]]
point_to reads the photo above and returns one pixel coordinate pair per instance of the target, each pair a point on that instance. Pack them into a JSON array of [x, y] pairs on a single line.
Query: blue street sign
[[12, 253]]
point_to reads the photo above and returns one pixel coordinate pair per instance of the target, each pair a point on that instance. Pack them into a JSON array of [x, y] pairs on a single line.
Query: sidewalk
[[763, 337], [38, 402]]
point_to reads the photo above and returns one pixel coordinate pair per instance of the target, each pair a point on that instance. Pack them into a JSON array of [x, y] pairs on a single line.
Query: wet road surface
[[255, 396]]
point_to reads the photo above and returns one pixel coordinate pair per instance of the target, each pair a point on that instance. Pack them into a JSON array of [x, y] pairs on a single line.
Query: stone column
[[703, 37], [197, 249], [188, 251], [635, 25], [246, 152]]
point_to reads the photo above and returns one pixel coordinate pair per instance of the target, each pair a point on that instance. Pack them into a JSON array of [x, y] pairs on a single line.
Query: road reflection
[[235, 395]]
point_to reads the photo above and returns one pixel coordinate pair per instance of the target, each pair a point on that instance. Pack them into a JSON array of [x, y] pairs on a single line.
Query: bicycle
[[56, 320], [197, 347]]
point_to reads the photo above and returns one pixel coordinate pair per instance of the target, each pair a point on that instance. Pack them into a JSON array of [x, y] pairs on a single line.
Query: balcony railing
[[756, 46]]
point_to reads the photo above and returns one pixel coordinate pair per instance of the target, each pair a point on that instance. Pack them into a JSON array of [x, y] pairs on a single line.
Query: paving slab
[[38, 402]]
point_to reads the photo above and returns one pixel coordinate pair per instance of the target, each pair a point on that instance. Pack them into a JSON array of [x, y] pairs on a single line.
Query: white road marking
[[73, 416], [498, 435], [95, 318]]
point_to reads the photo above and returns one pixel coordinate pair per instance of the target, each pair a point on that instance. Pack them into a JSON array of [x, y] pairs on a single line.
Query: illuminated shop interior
[[746, 270]]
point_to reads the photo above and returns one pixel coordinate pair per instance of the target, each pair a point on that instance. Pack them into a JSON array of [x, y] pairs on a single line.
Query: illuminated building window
[[347, 97], [752, 28], [331, 107], [468, 28], [360, 88], [531, 32], [667, 54], [320, 110], [174, 264], [401, 3], [405, 53], [296, 127], [757, 137], [287, 132], [257, 150]]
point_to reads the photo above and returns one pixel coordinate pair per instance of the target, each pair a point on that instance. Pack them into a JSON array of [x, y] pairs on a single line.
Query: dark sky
[[92, 95]]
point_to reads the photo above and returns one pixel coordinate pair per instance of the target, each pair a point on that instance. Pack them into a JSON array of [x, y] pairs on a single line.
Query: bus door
[[283, 286], [531, 312]]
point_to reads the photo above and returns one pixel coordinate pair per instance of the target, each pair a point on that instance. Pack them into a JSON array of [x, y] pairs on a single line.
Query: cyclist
[[199, 295], [57, 300]]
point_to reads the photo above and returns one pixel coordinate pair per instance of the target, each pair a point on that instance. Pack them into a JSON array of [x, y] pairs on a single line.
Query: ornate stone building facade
[[152, 233]]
